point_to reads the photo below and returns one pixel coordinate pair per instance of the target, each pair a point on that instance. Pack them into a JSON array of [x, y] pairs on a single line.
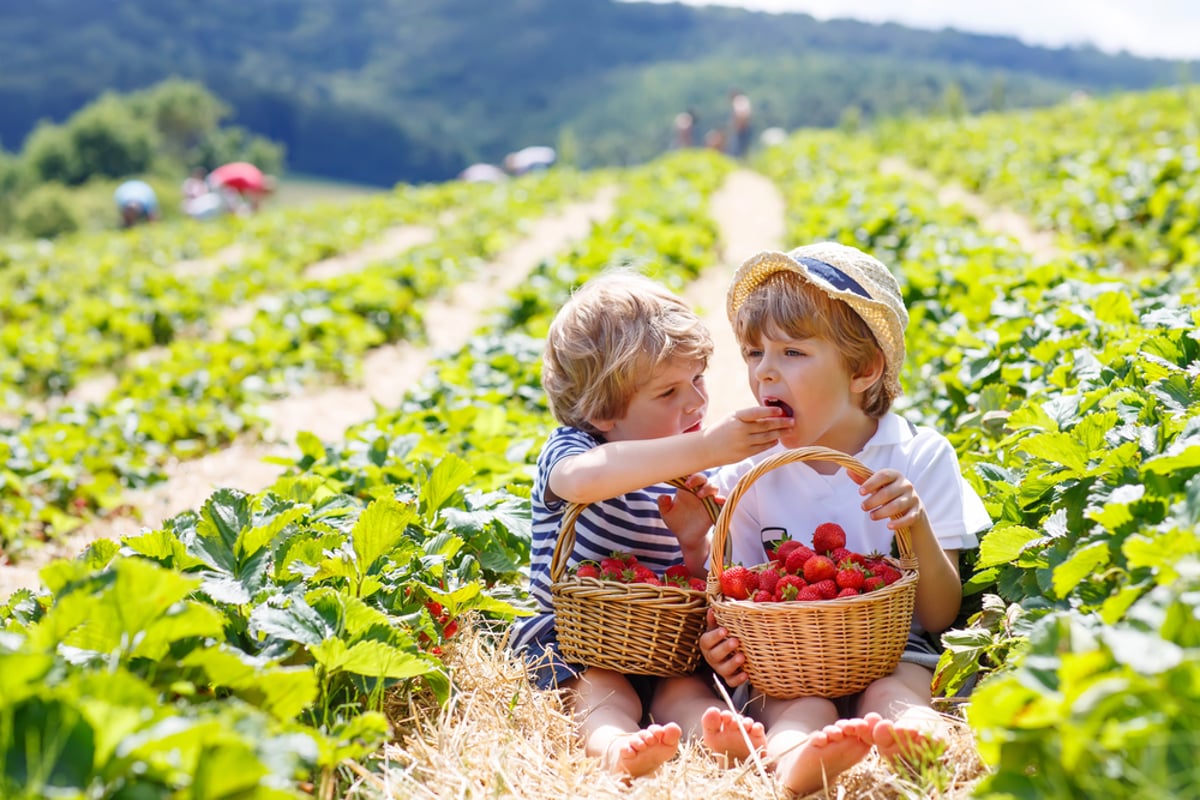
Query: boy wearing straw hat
[[822, 332], [624, 374]]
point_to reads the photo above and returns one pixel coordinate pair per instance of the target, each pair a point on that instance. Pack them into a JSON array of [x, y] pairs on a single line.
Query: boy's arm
[[614, 468], [889, 495]]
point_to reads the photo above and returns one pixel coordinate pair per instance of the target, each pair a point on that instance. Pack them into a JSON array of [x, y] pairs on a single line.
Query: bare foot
[[731, 735], [826, 753], [642, 752], [918, 737]]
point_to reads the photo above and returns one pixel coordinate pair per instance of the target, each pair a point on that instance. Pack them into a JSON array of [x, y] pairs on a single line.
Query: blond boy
[[822, 333], [624, 374]]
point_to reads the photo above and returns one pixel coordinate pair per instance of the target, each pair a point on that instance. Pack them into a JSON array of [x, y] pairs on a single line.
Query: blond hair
[[784, 304], [608, 339]]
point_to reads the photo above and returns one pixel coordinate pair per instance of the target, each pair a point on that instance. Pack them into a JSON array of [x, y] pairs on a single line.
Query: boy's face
[[672, 401], [810, 381]]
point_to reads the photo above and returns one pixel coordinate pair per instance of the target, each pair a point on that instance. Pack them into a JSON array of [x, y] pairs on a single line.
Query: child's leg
[[910, 730], [694, 705], [610, 713], [810, 745]]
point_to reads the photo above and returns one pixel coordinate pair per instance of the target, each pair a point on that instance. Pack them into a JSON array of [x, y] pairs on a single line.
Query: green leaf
[[1085, 561], [370, 658], [223, 517], [450, 474], [379, 530], [51, 748], [1003, 544], [284, 692]]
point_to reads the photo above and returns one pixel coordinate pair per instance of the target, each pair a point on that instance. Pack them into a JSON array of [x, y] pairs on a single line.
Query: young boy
[[624, 374], [822, 333]]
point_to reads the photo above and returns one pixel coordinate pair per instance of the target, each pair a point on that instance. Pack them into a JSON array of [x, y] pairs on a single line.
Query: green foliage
[[48, 211]]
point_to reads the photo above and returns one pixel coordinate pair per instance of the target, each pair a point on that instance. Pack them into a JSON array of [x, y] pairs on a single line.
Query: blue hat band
[[833, 276]]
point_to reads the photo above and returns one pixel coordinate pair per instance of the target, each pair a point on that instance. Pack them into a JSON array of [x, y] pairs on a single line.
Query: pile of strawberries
[[624, 568], [821, 572]]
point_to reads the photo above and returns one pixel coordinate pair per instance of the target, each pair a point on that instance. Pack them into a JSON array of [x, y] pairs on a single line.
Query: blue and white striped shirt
[[628, 524]]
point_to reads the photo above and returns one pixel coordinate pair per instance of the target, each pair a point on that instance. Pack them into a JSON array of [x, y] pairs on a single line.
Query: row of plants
[[1070, 395], [250, 647], [1116, 174], [64, 465]]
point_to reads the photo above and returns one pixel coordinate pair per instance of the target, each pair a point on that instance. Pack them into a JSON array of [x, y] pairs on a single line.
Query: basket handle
[[565, 543], [908, 559]]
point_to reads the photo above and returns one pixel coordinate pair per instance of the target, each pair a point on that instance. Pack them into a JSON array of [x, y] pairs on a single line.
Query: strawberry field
[[307, 639]]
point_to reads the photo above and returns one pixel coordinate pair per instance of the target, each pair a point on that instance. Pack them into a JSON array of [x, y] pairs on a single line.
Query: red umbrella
[[239, 175]]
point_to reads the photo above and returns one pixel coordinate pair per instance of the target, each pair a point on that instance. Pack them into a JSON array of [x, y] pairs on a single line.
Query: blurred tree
[[47, 211], [184, 113]]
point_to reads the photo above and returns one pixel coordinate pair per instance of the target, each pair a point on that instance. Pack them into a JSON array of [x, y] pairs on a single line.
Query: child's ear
[[602, 425], [869, 375]]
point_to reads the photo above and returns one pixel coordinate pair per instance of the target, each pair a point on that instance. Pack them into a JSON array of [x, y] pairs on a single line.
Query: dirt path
[[1038, 243], [388, 372], [749, 211]]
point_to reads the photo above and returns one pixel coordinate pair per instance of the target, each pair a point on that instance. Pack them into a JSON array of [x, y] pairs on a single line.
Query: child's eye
[[791, 351], [668, 392], [751, 352], [698, 379]]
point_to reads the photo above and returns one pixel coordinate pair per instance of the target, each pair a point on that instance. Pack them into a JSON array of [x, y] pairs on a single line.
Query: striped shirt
[[629, 524]]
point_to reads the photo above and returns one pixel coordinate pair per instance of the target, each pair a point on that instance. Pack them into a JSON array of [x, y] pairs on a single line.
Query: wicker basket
[[822, 648], [634, 628]]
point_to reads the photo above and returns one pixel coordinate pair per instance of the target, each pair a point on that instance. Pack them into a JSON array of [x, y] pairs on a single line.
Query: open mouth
[[692, 429], [777, 403]]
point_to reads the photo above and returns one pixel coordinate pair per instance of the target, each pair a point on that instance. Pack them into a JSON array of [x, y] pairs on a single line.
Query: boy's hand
[[746, 432], [891, 496], [687, 518], [722, 652]]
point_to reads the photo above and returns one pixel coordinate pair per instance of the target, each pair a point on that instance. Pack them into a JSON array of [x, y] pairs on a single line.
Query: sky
[[1152, 28]]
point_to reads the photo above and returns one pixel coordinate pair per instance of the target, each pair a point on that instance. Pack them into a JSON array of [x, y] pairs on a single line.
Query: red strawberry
[[872, 583], [889, 573], [850, 576], [612, 564], [738, 583], [768, 579], [763, 596], [789, 587], [828, 536], [785, 548], [697, 584], [827, 588], [819, 568], [810, 593], [643, 574], [798, 558], [677, 571], [848, 592], [587, 569]]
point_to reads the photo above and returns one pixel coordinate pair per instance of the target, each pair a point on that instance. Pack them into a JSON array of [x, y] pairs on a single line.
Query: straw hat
[[844, 273]]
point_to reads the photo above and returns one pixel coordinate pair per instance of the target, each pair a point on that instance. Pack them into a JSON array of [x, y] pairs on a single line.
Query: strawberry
[[827, 588], [612, 564], [819, 568], [772, 547], [798, 558], [850, 576], [588, 569], [784, 549], [828, 536], [848, 592], [763, 596], [789, 587], [677, 571], [738, 583], [768, 579], [889, 573], [810, 593], [697, 584], [872, 583], [643, 574]]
